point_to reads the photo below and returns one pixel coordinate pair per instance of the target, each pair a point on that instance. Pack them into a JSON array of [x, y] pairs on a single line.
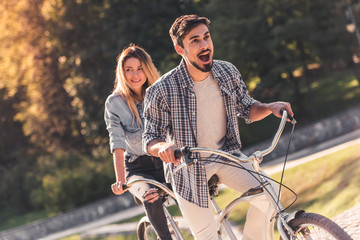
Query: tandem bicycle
[[291, 225]]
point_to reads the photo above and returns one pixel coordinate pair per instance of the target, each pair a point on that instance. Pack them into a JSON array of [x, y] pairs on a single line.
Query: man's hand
[[276, 107], [163, 150], [260, 110], [166, 153]]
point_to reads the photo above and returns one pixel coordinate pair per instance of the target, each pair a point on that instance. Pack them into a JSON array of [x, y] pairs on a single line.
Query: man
[[197, 105]]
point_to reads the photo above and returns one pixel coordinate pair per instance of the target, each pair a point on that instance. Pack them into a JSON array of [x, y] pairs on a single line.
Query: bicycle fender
[[283, 227], [293, 215]]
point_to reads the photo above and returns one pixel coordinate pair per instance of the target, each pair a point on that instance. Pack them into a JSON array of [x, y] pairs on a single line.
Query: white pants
[[202, 221]]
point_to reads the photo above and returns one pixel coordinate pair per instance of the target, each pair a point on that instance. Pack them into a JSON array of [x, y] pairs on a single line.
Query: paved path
[[350, 221]]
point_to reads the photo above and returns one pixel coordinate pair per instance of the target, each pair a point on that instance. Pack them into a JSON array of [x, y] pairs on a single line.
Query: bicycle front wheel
[[145, 230], [315, 226]]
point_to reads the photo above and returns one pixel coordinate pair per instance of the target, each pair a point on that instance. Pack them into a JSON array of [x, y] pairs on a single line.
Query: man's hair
[[183, 25]]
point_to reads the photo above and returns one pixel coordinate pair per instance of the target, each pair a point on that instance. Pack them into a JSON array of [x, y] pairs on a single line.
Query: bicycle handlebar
[[258, 155]]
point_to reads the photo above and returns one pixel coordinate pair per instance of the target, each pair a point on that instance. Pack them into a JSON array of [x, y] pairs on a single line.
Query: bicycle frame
[[266, 188], [256, 158], [167, 191]]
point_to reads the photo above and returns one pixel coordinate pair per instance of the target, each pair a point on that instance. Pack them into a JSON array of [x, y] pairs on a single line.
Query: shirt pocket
[[133, 135]]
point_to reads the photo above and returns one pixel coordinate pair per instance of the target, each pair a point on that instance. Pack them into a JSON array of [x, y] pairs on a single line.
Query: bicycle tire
[[317, 227], [145, 230]]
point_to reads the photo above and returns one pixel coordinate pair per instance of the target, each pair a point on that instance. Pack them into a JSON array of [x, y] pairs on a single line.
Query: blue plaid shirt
[[170, 115]]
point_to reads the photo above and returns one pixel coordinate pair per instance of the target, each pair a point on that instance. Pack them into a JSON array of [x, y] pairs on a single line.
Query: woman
[[135, 72]]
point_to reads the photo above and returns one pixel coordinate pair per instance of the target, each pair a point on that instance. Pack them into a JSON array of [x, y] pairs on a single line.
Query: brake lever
[[188, 162], [184, 152]]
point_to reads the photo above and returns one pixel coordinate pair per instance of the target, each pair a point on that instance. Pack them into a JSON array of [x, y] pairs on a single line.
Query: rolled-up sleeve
[[244, 101], [114, 127], [156, 116]]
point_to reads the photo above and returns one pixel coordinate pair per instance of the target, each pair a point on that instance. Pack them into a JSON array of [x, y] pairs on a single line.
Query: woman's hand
[[117, 188]]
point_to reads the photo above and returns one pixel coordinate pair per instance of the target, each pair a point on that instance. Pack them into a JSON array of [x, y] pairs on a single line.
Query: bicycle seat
[[213, 185]]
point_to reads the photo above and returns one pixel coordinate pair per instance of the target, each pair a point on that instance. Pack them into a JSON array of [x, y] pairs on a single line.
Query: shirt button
[[194, 113], [204, 182]]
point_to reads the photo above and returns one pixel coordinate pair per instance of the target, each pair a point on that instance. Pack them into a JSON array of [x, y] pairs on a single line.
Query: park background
[[57, 63]]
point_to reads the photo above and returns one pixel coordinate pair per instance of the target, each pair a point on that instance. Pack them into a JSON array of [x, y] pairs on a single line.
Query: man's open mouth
[[204, 56]]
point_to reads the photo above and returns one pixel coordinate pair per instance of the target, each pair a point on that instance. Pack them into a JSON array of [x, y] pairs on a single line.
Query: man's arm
[[157, 120], [260, 110]]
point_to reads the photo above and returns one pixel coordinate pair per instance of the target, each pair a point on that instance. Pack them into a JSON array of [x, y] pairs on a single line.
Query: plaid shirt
[[170, 115]]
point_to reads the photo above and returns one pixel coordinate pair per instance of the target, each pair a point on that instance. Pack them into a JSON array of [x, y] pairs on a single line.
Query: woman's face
[[134, 74]]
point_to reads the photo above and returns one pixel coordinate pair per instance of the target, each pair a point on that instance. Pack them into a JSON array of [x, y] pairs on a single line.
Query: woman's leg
[[152, 204]]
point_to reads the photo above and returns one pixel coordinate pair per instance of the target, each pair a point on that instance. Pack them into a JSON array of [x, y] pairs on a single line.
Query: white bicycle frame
[[256, 158]]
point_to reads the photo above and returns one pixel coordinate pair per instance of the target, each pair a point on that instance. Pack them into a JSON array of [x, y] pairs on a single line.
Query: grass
[[328, 185], [13, 220]]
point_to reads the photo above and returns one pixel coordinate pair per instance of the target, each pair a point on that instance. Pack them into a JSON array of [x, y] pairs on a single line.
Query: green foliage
[[68, 179], [274, 43], [57, 68], [332, 92], [57, 62]]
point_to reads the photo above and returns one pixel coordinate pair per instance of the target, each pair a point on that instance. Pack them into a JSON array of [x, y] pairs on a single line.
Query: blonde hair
[[121, 85]]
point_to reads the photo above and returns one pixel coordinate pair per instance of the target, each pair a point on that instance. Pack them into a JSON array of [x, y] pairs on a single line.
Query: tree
[[57, 68]]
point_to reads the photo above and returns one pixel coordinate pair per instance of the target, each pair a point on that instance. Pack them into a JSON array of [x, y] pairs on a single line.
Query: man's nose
[[204, 44]]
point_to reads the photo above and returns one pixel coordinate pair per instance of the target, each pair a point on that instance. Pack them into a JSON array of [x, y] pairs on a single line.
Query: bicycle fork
[[283, 218], [223, 221]]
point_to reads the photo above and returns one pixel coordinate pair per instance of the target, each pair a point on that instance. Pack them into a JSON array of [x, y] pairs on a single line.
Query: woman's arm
[[119, 167]]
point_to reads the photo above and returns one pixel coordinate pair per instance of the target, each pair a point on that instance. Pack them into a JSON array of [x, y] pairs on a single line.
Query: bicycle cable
[[286, 156]]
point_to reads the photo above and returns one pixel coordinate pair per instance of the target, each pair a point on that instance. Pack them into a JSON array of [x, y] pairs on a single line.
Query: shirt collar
[[185, 78], [218, 73]]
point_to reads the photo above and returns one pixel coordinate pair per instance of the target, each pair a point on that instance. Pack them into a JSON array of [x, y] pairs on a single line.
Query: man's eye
[[127, 70], [194, 41]]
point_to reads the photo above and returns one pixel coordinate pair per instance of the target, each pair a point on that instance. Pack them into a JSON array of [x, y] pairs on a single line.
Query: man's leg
[[200, 220], [258, 218]]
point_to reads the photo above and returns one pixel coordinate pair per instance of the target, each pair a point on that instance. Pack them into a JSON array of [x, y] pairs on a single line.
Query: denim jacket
[[124, 132]]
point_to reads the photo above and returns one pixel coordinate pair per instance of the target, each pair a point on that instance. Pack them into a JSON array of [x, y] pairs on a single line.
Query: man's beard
[[205, 68]]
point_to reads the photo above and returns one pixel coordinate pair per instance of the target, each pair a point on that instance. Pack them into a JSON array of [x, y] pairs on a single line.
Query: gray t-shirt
[[211, 117]]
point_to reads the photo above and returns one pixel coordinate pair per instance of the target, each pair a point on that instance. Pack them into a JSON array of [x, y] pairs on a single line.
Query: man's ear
[[179, 49]]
